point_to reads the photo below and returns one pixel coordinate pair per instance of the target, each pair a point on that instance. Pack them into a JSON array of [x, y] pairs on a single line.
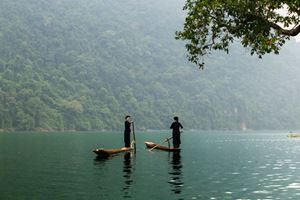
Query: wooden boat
[[110, 152], [160, 147], [294, 135]]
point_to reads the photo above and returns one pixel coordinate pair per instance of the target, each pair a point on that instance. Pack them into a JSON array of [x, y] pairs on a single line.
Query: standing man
[[176, 125], [127, 131]]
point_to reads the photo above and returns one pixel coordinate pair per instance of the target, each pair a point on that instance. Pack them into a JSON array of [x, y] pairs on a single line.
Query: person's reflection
[[176, 173], [127, 172]]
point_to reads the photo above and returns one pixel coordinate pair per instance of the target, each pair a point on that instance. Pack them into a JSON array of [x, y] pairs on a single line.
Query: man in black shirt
[[127, 131], [176, 132]]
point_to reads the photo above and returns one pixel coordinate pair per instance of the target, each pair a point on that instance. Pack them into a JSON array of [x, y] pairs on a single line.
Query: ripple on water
[[273, 186], [271, 175], [280, 179], [262, 192], [262, 167], [294, 186]]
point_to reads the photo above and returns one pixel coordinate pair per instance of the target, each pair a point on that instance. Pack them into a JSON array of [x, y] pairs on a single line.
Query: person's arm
[[180, 126], [127, 125], [171, 127]]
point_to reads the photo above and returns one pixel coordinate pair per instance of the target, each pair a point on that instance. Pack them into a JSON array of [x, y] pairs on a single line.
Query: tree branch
[[290, 32]]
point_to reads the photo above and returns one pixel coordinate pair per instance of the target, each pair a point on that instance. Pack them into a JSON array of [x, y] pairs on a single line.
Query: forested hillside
[[83, 65]]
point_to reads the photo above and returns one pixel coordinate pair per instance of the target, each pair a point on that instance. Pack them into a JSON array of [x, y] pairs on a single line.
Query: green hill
[[83, 65]]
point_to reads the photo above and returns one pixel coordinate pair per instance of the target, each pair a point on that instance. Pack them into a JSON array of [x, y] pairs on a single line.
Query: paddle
[[162, 142], [133, 133]]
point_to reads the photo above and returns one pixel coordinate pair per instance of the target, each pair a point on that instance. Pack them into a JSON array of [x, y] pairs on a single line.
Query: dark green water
[[212, 165]]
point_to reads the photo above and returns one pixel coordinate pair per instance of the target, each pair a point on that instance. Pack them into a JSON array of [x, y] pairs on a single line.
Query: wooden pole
[[133, 134], [162, 143]]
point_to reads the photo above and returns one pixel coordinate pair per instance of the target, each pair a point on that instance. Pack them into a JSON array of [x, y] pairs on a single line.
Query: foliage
[[84, 65], [213, 25]]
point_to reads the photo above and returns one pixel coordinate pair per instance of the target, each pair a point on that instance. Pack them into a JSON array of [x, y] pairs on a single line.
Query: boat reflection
[[175, 181], [127, 174], [100, 160]]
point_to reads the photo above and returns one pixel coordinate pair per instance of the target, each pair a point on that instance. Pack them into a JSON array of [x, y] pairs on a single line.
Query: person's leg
[[127, 139], [176, 140]]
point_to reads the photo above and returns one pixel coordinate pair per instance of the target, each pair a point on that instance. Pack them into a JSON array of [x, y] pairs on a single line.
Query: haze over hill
[[83, 65]]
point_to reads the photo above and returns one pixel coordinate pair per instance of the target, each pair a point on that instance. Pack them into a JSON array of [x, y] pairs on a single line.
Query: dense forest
[[83, 65]]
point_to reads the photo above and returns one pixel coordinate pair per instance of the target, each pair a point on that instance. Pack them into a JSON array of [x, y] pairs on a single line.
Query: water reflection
[[127, 174], [100, 160], [175, 181]]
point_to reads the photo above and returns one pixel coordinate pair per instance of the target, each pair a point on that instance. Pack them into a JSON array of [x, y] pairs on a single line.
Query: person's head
[[127, 117], [176, 118]]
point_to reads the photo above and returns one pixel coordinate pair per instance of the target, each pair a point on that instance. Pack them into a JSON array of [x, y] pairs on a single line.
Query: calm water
[[212, 165]]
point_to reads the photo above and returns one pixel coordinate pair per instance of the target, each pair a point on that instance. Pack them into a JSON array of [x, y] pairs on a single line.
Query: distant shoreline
[[142, 130]]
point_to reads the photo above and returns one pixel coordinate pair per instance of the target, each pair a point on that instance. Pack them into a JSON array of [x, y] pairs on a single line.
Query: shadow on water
[[175, 173], [101, 159], [127, 174]]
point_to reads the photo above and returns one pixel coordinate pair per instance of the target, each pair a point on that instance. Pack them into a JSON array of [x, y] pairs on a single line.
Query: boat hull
[[160, 147], [110, 152], [294, 135]]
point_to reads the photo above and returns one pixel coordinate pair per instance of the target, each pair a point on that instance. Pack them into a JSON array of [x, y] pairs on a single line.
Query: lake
[[211, 165]]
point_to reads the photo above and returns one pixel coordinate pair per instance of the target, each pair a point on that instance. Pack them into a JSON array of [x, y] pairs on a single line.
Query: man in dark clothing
[[176, 132], [127, 131]]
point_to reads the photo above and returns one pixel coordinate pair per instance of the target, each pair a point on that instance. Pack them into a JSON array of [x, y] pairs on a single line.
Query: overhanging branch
[[289, 32]]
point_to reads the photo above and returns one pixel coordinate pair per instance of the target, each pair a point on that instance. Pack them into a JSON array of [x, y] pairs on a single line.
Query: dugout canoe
[[294, 135], [110, 152], [160, 147]]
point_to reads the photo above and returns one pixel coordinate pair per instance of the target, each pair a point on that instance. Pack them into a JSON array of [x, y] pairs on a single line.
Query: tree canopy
[[83, 65], [262, 25]]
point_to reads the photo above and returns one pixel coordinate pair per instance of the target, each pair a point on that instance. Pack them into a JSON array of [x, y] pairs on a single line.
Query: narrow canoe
[[109, 152], [160, 147], [294, 135]]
